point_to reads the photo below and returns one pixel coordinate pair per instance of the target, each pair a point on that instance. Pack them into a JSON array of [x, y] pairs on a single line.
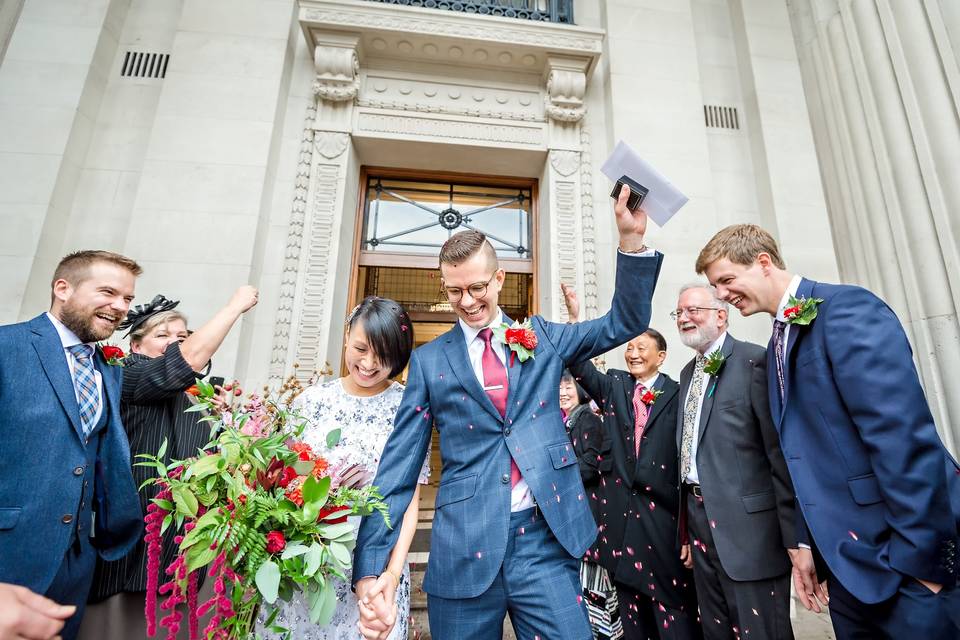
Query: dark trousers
[[644, 618], [914, 612], [729, 609], [72, 582], [538, 584]]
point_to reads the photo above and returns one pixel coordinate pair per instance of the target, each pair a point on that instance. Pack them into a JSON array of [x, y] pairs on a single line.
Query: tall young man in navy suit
[[512, 518], [877, 491], [66, 490]]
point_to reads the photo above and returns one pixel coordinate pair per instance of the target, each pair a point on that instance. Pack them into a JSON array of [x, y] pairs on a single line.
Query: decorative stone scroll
[[566, 87], [338, 68]]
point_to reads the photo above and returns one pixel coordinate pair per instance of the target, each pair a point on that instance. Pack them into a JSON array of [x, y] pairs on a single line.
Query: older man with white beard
[[737, 501]]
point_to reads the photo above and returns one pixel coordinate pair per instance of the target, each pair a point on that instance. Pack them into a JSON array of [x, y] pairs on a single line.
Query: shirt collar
[[648, 383], [67, 337], [470, 333], [716, 345], [785, 300]]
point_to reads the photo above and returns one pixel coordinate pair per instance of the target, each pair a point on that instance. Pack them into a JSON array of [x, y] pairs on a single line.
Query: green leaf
[[333, 438], [340, 553], [199, 556], [167, 519], [205, 466], [303, 467], [315, 491], [293, 550], [322, 613], [268, 580], [163, 449], [337, 531], [186, 502], [205, 388], [313, 559]]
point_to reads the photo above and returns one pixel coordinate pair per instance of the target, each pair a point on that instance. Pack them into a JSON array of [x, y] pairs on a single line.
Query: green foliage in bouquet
[[261, 511]]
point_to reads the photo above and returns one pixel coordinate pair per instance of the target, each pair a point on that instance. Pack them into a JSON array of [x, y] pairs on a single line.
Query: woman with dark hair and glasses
[[165, 361], [362, 405]]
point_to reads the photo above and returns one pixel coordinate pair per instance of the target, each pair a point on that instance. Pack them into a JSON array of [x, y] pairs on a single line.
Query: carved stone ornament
[[338, 73], [331, 144], [564, 162], [565, 91]]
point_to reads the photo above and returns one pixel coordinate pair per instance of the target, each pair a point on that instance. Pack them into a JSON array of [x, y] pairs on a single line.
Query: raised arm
[[200, 346]]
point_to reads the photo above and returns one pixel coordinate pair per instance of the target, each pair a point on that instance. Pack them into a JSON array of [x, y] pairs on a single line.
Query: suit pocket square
[[756, 502], [865, 489], [9, 517], [562, 455]]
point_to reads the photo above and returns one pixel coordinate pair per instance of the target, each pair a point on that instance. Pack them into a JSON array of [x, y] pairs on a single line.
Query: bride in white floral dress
[[362, 405]]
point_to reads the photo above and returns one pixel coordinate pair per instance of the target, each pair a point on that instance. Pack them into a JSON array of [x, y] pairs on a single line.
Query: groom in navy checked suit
[[877, 491], [63, 451], [512, 518]]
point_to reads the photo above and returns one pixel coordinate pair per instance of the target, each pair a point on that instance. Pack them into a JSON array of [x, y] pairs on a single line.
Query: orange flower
[[193, 390]]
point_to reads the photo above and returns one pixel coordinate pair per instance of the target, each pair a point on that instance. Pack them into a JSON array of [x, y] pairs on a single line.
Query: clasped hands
[[376, 598]]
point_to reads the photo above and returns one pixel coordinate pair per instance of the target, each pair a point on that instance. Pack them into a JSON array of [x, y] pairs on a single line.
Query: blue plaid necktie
[[86, 384]]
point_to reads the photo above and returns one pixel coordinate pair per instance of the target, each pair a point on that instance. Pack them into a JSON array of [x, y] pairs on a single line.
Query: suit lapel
[[805, 290], [708, 399], [660, 403], [514, 374], [46, 342], [456, 352], [111, 389], [773, 389]]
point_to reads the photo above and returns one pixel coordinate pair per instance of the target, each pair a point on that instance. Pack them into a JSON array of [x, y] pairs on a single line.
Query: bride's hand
[[354, 476], [378, 615]]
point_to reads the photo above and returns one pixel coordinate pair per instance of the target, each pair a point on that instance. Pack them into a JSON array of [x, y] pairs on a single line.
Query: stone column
[[882, 87], [320, 234], [568, 184]]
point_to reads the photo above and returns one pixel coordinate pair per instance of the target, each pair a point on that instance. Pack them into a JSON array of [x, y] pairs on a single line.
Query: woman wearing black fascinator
[[164, 362]]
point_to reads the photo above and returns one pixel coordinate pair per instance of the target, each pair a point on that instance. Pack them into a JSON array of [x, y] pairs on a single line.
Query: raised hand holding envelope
[[662, 199]]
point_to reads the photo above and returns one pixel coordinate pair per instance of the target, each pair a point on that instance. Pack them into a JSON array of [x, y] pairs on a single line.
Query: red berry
[[238, 392]]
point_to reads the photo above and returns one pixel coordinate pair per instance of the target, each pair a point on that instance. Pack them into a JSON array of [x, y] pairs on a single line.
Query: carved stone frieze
[[531, 136], [587, 226], [566, 88]]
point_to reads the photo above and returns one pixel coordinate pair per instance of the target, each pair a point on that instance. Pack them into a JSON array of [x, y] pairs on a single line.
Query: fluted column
[[882, 86]]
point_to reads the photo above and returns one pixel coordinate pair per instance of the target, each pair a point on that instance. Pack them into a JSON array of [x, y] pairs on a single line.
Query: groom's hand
[[632, 225], [377, 614]]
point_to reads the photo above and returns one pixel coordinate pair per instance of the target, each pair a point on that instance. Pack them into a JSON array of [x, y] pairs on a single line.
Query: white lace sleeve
[[425, 469]]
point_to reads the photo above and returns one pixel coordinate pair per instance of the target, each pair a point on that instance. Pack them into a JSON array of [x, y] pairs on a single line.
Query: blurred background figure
[[592, 447], [165, 361]]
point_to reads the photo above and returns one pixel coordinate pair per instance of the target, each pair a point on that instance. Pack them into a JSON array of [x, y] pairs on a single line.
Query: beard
[[80, 321], [701, 338]]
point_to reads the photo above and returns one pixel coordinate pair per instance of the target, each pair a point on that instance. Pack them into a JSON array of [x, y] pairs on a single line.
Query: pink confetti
[[713, 524], [479, 555], [755, 612], [629, 551], [853, 535], [652, 506]]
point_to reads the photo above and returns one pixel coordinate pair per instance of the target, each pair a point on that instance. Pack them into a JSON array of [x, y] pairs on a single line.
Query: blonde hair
[[153, 322], [741, 244]]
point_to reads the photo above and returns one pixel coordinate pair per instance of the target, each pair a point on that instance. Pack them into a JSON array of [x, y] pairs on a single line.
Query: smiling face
[[568, 395], [480, 310], [750, 288], [155, 343], [98, 301], [700, 328], [643, 357], [363, 364]]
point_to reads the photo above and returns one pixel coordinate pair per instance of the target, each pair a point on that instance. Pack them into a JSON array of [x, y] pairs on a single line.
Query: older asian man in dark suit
[[739, 502]]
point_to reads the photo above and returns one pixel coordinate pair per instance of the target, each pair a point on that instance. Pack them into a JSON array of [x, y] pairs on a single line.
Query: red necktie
[[640, 411], [495, 383]]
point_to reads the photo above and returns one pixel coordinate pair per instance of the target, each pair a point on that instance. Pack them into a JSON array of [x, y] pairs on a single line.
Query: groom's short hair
[[75, 267], [740, 244], [464, 245]]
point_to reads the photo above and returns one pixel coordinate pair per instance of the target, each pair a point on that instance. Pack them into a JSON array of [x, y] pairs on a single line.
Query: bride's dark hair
[[388, 328]]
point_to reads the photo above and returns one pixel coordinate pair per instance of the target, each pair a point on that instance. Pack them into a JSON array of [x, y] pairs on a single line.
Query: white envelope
[[663, 200]]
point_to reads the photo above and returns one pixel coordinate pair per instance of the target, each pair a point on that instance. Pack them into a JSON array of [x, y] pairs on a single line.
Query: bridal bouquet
[[260, 511]]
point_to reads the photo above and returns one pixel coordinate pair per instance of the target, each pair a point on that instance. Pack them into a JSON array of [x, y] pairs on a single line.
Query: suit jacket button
[[505, 478], [78, 471], [506, 431], [66, 519]]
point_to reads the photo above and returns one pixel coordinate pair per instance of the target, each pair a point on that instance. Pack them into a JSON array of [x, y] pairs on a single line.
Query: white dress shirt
[[68, 339], [520, 497], [648, 384], [692, 476], [784, 303]]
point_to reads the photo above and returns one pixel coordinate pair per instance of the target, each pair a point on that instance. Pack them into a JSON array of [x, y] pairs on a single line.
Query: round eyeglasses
[[692, 312], [476, 290]]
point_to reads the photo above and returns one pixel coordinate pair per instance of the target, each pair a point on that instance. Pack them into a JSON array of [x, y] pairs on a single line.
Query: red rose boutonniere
[[650, 396], [801, 311], [112, 354], [520, 337]]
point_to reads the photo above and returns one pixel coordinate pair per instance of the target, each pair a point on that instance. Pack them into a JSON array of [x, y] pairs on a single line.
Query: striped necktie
[[641, 413], [86, 384]]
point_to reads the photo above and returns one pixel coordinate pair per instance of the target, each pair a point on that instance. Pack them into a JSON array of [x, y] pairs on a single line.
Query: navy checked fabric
[[86, 384]]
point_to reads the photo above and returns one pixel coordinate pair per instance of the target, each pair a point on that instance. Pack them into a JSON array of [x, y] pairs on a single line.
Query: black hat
[[139, 314]]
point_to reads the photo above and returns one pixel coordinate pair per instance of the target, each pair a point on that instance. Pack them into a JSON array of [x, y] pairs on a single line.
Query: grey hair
[[721, 304]]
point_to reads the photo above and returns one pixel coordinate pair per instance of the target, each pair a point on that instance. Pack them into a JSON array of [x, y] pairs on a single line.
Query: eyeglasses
[[692, 312], [476, 290]]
